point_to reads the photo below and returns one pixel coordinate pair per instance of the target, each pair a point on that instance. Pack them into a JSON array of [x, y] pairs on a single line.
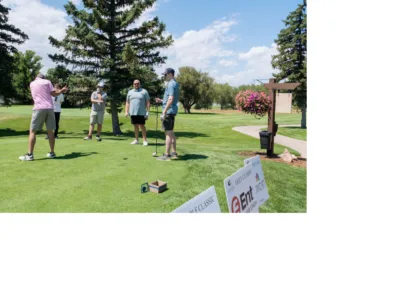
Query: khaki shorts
[[97, 117], [40, 116]]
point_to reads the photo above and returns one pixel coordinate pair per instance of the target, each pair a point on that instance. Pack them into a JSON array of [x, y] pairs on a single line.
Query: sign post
[[272, 86]]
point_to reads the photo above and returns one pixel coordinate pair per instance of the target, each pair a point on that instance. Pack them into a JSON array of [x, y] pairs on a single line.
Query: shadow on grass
[[150, 134], [198, 113], [6, 132], [187, 157], [70, 156]]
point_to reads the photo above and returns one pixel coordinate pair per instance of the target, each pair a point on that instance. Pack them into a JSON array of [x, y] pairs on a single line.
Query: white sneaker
[[51, 155], [135, 142], [26, 157], [145, 143]]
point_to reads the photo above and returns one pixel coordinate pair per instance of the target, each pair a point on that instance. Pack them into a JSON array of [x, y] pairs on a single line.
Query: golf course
[[106, 176]]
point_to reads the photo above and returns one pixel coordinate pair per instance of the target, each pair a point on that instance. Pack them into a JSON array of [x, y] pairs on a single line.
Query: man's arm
[[56, 93], [126, 108], [169, 103]]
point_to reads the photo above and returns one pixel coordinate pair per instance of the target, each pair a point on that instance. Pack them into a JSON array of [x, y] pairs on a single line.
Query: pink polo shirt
[[41, 93]]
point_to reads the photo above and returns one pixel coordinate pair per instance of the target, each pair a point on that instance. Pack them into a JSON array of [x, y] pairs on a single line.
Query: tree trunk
[[303, 118], [115, 119]]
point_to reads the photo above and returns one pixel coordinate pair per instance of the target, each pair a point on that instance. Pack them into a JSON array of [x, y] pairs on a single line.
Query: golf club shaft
[[156, 126]]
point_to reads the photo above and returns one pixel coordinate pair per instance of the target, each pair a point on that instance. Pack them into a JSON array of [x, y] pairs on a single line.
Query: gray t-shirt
[[99, 106], [137, 100]]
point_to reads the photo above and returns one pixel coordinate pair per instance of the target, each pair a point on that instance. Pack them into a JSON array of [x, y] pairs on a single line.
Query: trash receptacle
[[265, 140]]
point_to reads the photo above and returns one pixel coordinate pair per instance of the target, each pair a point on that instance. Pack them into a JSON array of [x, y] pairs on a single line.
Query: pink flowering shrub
[[256, 103]]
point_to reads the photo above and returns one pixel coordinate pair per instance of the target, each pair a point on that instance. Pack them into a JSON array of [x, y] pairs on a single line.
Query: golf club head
[[155, 154]]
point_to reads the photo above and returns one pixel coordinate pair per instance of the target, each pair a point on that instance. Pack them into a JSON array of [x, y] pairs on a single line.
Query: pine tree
[[104, 43], [292, 58], [9, 35]]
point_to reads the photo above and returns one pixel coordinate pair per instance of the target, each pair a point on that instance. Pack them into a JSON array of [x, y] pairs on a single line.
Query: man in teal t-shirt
[[170, 110], [137, 107]]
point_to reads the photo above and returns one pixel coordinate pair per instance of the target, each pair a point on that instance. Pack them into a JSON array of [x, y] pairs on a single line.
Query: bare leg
[[143, 129], [32, 141], [50, 134], [99, 127], [91, 127], [168, 141], [173, 142], [137, 132]]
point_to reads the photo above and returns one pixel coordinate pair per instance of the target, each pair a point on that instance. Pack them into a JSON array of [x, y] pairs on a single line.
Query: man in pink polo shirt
[[43, 111]]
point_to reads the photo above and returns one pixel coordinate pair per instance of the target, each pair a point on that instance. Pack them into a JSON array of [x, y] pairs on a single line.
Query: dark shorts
[[138, 119], [168, 122]]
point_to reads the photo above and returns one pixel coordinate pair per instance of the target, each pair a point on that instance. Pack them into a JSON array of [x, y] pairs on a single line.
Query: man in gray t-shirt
[[137, 106], [98, 99]]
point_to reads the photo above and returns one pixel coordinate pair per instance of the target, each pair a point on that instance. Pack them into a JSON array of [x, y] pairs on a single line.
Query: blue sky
[[233, 40]]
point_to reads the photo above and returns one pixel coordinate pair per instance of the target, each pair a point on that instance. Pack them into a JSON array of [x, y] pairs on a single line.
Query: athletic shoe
[[51, 155], [27, 157], [135, 142], [145, 143], [87, 138], [98, 138], [174, 155], [164, 157]]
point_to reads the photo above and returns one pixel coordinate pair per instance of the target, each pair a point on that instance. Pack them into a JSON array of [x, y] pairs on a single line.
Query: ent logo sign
[[246, 198]]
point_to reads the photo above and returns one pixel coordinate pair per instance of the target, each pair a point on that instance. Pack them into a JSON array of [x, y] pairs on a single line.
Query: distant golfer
[[57, 101], [170, 110], [137, 106], [43, 112], [98, 99]]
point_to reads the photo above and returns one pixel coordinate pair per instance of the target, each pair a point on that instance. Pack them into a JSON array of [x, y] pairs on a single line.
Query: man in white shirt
[[57, 101], [57, 108]]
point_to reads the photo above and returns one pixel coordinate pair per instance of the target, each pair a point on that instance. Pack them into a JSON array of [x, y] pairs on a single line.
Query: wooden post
[[272, 86]]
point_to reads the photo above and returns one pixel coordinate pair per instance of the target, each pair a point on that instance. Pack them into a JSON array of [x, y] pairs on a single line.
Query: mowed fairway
[[91, 176]]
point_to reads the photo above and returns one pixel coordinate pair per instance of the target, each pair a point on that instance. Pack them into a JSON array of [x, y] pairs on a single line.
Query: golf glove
[[146, 116], [162, 117]]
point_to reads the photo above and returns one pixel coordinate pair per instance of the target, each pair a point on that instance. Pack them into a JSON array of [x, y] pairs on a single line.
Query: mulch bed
[[301, 162]]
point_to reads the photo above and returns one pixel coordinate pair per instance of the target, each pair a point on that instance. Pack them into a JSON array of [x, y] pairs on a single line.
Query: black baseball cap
[[169, 70]]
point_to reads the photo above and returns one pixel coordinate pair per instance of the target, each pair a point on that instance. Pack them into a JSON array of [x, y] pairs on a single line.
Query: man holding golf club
[[169, 111], [137, 106], [98, 99], [43, 111]]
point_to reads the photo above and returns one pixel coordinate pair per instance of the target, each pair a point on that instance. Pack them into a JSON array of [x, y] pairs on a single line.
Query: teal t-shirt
[[172, 90], [137, 100]]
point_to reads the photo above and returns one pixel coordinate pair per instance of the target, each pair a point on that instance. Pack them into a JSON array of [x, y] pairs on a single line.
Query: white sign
[[261, 186], [240, 191], [205, 202]]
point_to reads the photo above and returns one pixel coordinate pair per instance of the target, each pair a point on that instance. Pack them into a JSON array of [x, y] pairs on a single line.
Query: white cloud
[[199, 48], [257, 66], [38, 21], [76, 2], [227, 63]]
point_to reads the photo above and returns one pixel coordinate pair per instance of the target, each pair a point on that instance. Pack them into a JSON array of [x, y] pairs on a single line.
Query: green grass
[[91, 176], [295, 132]]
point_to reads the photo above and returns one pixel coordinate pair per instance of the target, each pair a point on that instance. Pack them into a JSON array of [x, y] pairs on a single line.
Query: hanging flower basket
[[255, 103]]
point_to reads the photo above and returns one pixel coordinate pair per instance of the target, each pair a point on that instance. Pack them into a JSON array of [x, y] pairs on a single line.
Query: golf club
[[155, 153]]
